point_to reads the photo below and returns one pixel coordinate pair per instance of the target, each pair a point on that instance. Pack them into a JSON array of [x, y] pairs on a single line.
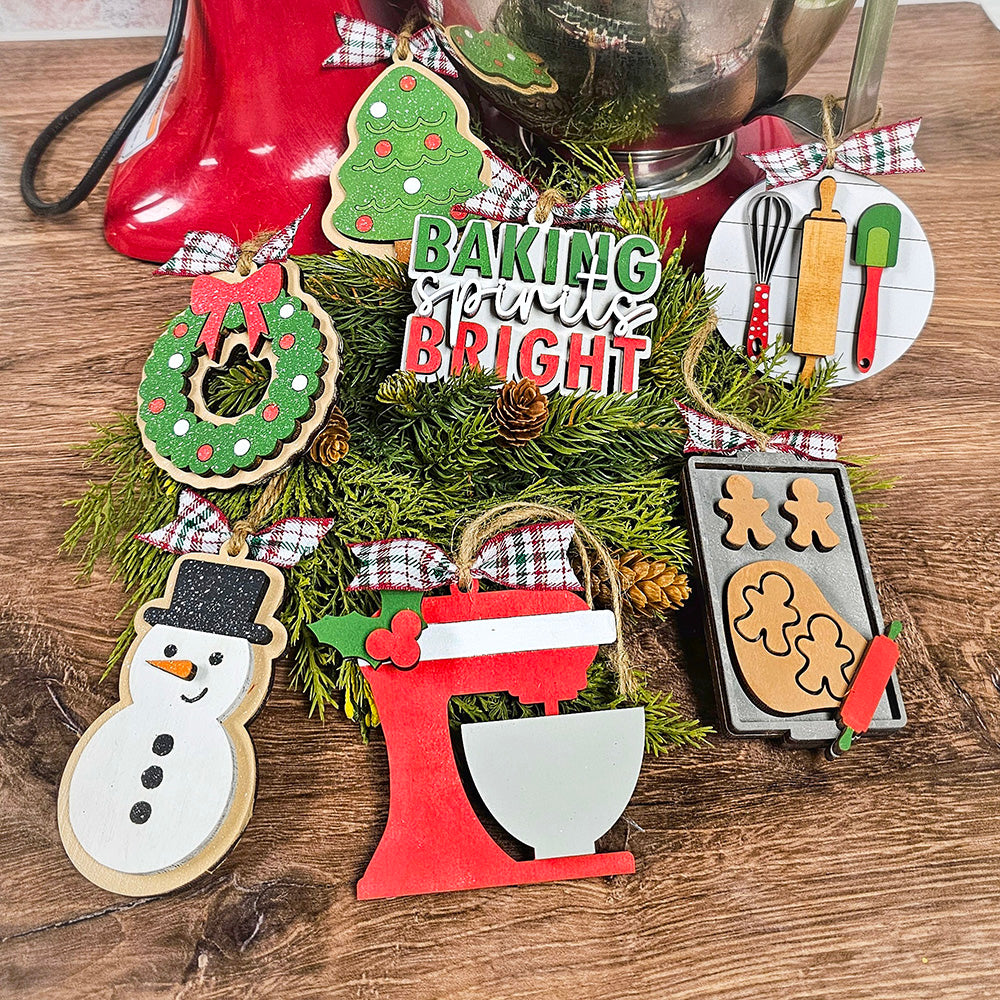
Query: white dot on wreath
[[241, 447], [181, 427], [175, 360], [411, 185], [378, 109], [286, 310], [299, 382]]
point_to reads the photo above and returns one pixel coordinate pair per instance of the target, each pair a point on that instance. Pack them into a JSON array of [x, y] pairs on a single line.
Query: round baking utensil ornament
[[851, 280], [268, 314]]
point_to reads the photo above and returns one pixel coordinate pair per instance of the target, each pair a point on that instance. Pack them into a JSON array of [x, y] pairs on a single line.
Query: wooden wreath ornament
[[264, 310]]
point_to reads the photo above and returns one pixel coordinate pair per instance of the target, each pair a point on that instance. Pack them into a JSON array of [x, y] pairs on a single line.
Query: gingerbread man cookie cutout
[[808, 515], [827, 658], [771, 614], [745, 514]]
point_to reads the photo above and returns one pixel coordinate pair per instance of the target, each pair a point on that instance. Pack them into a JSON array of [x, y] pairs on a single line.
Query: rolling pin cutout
[[876, 246], [821, 270]]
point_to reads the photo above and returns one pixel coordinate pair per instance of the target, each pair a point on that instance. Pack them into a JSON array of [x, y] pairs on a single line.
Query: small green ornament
[[496, 59]]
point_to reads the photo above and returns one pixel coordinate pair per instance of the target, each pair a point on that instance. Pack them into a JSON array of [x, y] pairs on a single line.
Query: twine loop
[[244, 263], [257, 516], [405, 34], [830, 133], [547, 200], [506, 515], [689, 365]]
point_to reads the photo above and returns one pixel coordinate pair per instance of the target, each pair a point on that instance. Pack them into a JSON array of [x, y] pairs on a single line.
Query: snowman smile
[[197, 697]]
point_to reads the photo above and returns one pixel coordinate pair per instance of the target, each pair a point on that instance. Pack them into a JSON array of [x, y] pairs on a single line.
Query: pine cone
[[520, 412], [648, 585], [331, 444]]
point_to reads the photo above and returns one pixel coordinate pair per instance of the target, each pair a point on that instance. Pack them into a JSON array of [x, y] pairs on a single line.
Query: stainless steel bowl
[[663, 81]]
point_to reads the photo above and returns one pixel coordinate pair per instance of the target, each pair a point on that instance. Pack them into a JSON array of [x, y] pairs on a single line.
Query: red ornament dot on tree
[[364, 224], [180, 330], [407, 83], [156, 405], [497, 62], [458, 213], [286, 342], [383, 148], [271, 412], [433, 141], [204, 453], [487, 43]]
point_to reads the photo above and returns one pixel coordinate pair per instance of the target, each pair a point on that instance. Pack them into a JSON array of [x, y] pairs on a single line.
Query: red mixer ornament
[[556, 782]]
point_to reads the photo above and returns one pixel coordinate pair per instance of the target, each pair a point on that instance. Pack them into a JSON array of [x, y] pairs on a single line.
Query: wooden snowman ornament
[[159, 787]]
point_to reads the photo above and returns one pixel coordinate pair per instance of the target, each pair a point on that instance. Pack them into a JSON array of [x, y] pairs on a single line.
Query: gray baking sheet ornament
[[790, 603]]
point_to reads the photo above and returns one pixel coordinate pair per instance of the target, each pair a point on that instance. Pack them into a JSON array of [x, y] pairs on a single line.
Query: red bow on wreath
[[204, 254], [215, 295]]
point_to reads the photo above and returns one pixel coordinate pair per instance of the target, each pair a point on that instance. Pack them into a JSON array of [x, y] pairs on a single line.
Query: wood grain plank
[[761, 871]]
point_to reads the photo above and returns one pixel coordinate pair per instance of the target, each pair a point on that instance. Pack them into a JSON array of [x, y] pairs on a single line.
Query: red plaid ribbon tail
[[511, 197], [706, 435], [534, 557]]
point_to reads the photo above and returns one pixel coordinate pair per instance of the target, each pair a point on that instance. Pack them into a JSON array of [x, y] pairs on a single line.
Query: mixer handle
[[877, 17]]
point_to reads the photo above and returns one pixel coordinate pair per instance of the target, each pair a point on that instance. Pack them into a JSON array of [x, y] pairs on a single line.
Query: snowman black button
[[152, 776], [141, 811], [163, 744]]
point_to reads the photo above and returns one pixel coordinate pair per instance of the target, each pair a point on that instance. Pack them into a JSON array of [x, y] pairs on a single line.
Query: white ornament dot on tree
[[411, 185], [378, 110]]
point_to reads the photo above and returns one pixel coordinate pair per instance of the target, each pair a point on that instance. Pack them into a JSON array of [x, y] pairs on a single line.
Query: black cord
[[156, 73]]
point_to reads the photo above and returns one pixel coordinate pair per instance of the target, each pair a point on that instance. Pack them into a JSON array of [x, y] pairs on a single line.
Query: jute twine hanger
[[829, 132], [506, 515]]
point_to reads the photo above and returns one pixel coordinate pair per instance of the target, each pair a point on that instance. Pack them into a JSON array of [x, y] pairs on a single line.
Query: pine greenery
[[425, 457]]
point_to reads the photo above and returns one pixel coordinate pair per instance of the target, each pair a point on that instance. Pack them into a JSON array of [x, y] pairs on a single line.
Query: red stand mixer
[[242, 133], [557, 781]]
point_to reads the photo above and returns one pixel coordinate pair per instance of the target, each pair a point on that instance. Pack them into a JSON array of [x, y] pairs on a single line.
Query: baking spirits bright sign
[[560, 306]]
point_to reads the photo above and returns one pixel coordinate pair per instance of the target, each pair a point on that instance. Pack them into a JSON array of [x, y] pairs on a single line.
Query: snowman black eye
[[170, 651], [215, 659]]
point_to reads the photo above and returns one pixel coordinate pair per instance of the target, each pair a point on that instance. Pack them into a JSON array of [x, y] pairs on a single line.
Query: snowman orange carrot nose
[[184, 669]]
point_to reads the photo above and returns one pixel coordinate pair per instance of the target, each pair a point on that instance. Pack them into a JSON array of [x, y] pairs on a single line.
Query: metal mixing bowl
[[666, 81]]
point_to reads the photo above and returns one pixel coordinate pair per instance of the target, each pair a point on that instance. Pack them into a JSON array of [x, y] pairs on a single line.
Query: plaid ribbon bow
[[201, 527], [366, 44], [706, 434], [533, 557], [205, 253], [887, 150], [511, 197]]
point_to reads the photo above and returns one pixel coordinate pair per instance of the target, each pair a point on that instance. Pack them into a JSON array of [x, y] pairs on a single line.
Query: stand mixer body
[[433, 840]]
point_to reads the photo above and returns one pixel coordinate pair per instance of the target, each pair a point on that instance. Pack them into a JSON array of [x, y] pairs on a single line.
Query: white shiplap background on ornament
[[23, 20]]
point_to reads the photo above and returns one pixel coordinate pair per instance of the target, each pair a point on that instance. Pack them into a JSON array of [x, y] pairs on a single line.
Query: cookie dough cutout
[[745, 514], [809, 515]]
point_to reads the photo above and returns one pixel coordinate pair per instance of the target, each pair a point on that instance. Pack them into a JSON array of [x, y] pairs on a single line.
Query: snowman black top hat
[[222, 598]]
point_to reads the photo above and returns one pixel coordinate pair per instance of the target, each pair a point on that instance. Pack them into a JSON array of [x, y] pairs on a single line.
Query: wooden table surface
[[762, 872]]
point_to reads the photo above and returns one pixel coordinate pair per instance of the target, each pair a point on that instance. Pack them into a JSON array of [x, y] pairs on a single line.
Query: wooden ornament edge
[[245, 789]]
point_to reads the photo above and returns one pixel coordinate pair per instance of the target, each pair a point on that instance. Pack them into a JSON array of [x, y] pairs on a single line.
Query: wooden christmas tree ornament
[[495, 59], [410, 152]]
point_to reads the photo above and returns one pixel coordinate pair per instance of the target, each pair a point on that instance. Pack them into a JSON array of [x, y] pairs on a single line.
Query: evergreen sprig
[[425, 457]]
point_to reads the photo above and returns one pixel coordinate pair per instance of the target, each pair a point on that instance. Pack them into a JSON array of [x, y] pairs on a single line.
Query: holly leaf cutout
[[349, 633]]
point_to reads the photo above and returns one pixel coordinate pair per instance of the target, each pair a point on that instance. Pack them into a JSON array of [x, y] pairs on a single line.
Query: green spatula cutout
[[876, 246]]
